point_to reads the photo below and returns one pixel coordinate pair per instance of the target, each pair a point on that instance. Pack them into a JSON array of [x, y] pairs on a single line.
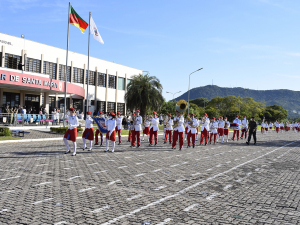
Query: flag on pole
[[77, 21], [94, 31]]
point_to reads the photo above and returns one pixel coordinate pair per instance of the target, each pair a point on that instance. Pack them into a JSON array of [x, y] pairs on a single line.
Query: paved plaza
[[230, 183]]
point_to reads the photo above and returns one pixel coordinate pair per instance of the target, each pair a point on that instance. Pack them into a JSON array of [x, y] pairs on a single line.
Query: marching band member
[[119, 126], [197, 128], [277, 126], [270, 126], [266, 127], [204, 129], [137, 128], [130, 128], [88, 132], [226, 129], [244, 127], [154, 129], [213, 130], [178, 130], [98, 131], [132, 131], [71, 133], [111, 132], [165, 126], [146, 130], [281, 126], [189, 135], [236, 130], [169, 129], [186, 128], [262, 127], [193, 129], [221, 126]]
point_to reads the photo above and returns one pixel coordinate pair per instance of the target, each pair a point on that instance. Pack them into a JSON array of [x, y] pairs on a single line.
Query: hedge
[[63, 130], [4, 131]]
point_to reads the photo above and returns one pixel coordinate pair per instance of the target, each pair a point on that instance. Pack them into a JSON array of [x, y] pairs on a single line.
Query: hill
[[290, 100]]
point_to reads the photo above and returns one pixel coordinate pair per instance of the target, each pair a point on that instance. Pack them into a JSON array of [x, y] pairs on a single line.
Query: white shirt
[[266, 125], [281, 125], [154, 124], [73, 122], [180, 120], [147, 123], [111, 125], [169, 124], [139, 121], [239, 124], [245, 123], [214, 127], [119, 123], [228, 124], [262, 125], [221, 124], [195, 124], [205, 124], [271, 125], [89, 122], [276, 124]]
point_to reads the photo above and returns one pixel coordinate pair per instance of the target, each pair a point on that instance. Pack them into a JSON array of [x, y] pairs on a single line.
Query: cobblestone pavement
[[230, 183]]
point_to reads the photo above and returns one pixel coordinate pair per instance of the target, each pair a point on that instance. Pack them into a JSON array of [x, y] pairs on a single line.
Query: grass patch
[[9, 138]]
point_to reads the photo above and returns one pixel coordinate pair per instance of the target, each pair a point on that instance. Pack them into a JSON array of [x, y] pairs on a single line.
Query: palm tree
[[144, 93]]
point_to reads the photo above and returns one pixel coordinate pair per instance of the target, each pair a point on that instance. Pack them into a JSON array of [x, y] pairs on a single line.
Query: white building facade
[[32, 74]]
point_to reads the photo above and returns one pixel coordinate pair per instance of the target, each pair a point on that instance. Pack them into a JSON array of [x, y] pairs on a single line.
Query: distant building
[[33, 74]]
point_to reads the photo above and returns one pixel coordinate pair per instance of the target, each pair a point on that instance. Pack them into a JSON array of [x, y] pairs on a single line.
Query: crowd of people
[[176, 129]]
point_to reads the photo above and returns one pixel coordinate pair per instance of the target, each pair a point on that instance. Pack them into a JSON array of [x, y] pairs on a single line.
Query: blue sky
[[239, 43]]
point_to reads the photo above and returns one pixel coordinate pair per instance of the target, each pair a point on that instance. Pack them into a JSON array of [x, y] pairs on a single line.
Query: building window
[[121, 108], [1, 60], [11, 99], [91, 77], [101, 79], [128, 81], [50, 69], [121, 83], [61, 103], [101, 106], [13, 61], [78, 75], [112, 81], [33, 65], [51, 104], [111, 107], [62, 73]]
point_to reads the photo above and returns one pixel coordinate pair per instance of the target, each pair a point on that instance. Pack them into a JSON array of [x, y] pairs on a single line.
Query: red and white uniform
[[270, 126], [244, 127], [277, 126], [111, 132], [154, 130], [137, 130], [146, 127], [71, 133], [213, 131], [192, 132], [266, 127], [119, 127], [169, 129], [221, 126], [262, 127], [237, 129], [204, 130], [178, 131], [89, 131], [281, 125], [226, 130]]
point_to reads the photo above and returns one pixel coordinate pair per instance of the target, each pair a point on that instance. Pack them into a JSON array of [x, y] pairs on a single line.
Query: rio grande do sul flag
[[77, 21], [94, 31]]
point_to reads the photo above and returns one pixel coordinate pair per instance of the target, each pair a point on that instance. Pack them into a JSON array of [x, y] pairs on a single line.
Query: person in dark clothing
[[252, 127]]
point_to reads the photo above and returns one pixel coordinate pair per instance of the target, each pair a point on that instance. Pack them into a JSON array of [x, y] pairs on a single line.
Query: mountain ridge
[[288, 99]]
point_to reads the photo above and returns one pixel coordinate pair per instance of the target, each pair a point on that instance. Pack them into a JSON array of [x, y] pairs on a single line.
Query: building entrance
[[32, 103]]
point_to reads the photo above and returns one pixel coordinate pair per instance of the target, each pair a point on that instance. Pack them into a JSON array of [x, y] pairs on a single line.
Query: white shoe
[[226, 140], [68, 151], [112, 150], [90, 149], [74, 154]]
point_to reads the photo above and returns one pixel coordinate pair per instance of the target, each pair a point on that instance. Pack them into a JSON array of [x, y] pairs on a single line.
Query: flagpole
[[88, 70], [65, 103]]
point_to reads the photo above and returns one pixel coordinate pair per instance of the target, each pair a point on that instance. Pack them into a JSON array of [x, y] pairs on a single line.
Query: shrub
[[4, 131], [62, 130]]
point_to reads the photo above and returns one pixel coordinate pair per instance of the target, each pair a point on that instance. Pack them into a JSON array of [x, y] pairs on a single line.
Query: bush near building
[[62, 130], [4, 131]]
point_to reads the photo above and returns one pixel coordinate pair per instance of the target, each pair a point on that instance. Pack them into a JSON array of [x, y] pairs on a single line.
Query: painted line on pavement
[[188, 188], [100, 209], [190, 207], [165, 221], [45, 200]]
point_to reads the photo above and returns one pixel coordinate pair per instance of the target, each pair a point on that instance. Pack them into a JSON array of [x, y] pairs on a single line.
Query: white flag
[[95, 32]]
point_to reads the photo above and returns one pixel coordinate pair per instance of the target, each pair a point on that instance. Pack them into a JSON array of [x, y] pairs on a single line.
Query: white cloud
[[293, 53]]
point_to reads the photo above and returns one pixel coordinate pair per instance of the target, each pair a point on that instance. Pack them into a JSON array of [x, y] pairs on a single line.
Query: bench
[[19, 132]]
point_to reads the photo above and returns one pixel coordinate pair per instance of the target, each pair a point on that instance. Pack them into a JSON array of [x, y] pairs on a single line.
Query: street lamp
[[173, 93], [189, 89]]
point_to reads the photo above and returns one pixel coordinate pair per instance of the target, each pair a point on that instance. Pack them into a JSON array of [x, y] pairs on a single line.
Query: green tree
[[226, 106], [275, 112], [168, 108], [144, 93], [201, 102]]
